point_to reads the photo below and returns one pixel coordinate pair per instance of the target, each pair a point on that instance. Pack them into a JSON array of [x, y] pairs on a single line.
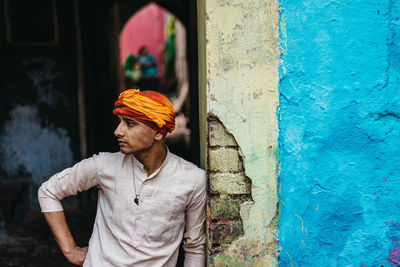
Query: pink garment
[[126, 234], [145, 28]]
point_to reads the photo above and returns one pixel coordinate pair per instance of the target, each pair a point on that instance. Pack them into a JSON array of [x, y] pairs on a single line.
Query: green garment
[[135, 75], [129, 64]]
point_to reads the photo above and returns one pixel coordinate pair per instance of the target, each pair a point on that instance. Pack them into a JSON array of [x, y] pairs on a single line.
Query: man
[[147, 196]]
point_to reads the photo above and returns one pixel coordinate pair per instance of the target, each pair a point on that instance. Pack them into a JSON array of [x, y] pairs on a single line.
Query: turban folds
[[148, 107]]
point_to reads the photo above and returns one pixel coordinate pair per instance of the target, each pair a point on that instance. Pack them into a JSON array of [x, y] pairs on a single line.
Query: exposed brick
[[224, 208], [229, 183], [218, 136], [224, 160], [224, 231]]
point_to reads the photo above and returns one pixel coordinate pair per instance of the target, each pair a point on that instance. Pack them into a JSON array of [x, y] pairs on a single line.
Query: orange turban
[[148, 107]]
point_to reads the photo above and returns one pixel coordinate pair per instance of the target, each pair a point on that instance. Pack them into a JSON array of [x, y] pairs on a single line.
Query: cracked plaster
[[242, 77]]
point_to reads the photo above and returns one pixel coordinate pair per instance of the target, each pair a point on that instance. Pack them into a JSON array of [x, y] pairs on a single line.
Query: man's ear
[[158, 136]]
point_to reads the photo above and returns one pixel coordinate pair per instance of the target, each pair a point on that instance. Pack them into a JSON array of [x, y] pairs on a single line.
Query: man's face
[[133, 136]]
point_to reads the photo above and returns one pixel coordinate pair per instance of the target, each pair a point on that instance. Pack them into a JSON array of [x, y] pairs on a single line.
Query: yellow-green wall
[[239, 57]]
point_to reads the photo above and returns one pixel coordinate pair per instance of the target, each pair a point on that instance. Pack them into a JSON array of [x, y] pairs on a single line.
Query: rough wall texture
[[339, 133], [228, 187], [39, 130], [31, 147], [241, 56]]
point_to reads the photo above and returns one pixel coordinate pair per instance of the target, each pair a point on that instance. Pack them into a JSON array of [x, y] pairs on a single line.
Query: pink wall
[[145, 27]]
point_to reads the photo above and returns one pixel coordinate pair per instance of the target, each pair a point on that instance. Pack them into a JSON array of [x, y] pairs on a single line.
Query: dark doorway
[[101, 24], [58, 76], [170, 79], [153, 56]]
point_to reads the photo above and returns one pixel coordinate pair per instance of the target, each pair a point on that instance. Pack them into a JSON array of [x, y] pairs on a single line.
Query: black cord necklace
[[136, 200]]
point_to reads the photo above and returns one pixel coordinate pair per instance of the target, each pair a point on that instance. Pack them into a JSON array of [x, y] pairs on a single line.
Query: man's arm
[[69, 182], [58, 226], [194, 237]]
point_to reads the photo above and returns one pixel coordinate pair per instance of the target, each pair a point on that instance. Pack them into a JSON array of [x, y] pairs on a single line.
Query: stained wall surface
[[39, 132], [241, 59], [339, 141]]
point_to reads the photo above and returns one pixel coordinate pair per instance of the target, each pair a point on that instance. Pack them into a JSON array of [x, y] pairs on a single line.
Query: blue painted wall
[[339, 138]]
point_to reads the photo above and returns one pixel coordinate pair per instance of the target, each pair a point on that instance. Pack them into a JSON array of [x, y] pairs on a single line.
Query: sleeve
[[80, 177], [194, 237]]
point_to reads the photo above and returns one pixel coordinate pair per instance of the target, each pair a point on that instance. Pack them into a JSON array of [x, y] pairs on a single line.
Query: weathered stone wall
[[39, 126], [239, 55], [228, 187]]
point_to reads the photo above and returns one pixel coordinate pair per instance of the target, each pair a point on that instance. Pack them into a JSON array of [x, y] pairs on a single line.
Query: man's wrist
[[68, 249]]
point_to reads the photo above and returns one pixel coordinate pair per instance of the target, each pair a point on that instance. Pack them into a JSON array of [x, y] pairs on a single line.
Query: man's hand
[[77, 255], [58, 226]]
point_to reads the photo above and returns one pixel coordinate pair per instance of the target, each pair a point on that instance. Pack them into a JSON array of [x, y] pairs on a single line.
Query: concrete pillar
[[238, 84]]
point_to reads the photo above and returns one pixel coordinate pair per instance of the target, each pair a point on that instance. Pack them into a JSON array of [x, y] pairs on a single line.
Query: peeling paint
[[226, 195], [394, 255], [242, 73]]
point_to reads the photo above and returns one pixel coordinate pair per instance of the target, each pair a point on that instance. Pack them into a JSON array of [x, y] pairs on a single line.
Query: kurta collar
[[139, 165]]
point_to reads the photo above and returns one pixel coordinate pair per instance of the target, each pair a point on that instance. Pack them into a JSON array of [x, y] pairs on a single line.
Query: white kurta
[[126, 234]]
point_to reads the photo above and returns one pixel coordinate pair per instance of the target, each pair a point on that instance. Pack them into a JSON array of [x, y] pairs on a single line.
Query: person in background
[[147, 63], [132, 69]]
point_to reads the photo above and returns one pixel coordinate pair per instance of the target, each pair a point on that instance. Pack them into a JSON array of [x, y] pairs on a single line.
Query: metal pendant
[[136, 201]]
